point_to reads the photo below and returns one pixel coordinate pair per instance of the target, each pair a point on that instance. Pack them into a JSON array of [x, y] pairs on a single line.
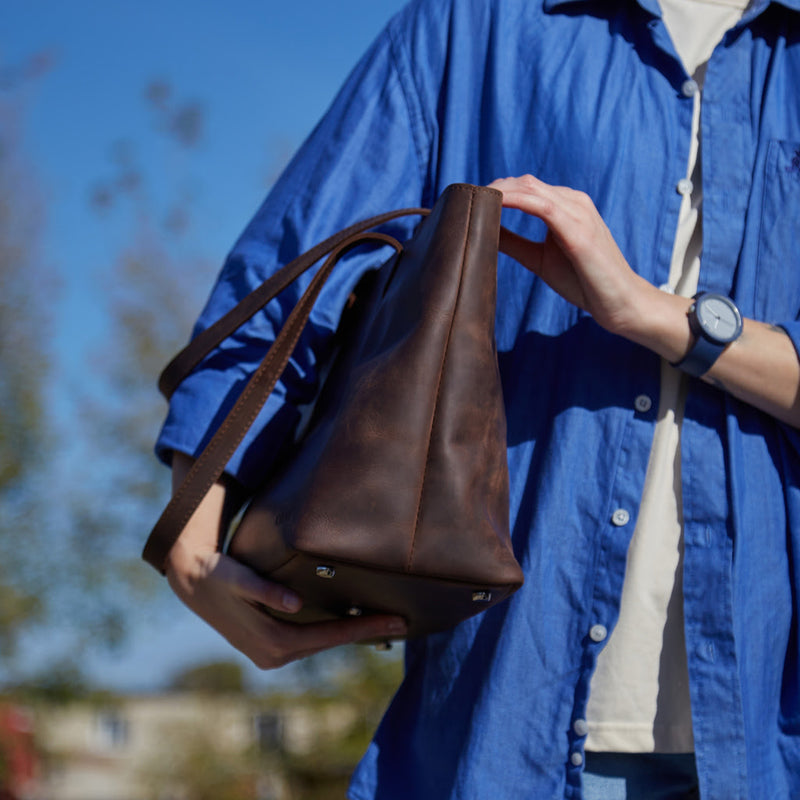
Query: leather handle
[[210, 465], [191, 355], [209, 338]]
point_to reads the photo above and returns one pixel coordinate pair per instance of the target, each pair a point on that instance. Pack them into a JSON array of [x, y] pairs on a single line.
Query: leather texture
[[396, 498]]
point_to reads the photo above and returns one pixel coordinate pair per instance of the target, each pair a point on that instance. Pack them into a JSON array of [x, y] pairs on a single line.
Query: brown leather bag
[[396, 497]]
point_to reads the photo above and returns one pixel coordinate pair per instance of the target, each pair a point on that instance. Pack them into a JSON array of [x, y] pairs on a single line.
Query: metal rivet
[[354, 611], [481, 597], [325, 572]]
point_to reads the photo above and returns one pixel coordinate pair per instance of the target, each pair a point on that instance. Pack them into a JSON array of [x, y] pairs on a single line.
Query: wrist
[[658, 321], [206, 529], [190, 553], [188, 563]]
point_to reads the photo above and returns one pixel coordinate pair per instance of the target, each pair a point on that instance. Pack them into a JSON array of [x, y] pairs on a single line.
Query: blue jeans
[[640, 776]]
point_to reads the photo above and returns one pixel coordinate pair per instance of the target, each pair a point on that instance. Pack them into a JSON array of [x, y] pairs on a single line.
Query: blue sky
[[263, 71]]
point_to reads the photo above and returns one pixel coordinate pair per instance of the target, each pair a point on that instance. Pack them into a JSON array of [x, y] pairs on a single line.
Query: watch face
[[718, 318]]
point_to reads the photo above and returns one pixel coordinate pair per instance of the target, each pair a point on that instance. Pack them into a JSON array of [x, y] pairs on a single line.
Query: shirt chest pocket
[[777, 296]]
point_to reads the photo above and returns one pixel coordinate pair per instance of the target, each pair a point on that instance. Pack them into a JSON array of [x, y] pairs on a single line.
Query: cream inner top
[[639, 699]]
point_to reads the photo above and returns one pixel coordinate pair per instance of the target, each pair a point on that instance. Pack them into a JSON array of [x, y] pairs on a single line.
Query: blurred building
[[175, 746]]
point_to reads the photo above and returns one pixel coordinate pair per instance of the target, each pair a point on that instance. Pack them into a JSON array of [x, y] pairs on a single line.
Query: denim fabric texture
[[588, 95]]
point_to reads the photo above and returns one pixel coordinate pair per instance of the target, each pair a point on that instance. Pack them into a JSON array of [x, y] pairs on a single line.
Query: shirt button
[[689, 88], [598, 633], [665, 287], [620, 517], [684, 186], [580, 727], [643, 403], [576, 759]]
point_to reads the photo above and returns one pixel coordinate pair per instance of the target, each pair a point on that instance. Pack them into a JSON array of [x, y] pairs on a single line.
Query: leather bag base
[[336, 590]]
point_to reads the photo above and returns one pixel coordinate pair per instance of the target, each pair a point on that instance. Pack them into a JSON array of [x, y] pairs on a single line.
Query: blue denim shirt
[[589, 95]]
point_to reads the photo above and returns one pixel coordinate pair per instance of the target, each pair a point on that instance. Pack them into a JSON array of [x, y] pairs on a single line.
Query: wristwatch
[[715, 321]]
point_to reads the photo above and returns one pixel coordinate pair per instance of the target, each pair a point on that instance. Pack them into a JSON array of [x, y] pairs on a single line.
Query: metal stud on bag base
[[325, 572]]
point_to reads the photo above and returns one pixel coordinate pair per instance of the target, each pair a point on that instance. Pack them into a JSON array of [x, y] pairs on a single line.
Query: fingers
[[529, 186], [299, 641], [274, 596], [573, 223], [523, 250], [256, 589], [283, 642], [570, 214], [234, 600], [579, 257], [528, 194]]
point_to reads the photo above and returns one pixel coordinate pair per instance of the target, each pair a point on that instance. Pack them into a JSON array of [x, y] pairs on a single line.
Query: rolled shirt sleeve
[[367, 155]]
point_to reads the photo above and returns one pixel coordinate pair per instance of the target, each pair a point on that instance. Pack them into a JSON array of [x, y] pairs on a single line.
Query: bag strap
[[209, 338], [191, 355], [210, 465]]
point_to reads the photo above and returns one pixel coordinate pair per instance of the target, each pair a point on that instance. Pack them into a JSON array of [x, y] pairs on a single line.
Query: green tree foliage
[[311, 739], [155, 288], [69, 542], [57, 685], [25, 295], [152, 290], [199, 765], [204, 772], [355, 684], [218, 677]]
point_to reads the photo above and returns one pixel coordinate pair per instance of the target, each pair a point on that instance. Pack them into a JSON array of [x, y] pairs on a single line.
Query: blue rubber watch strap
[[701, 357], [706, 348]]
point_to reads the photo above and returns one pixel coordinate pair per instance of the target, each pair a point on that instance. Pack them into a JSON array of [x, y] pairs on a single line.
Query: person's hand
[[232, 598], [579, 258]]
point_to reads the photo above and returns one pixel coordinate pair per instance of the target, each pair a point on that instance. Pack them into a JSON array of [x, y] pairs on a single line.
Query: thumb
[[253, 587], [528, 253]]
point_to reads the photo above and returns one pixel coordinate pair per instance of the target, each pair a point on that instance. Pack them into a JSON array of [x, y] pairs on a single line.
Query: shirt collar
[[794, 5], [652, 6]]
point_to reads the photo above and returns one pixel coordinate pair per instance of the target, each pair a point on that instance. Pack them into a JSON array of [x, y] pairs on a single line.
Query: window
[[268, 731], [112, 730]]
